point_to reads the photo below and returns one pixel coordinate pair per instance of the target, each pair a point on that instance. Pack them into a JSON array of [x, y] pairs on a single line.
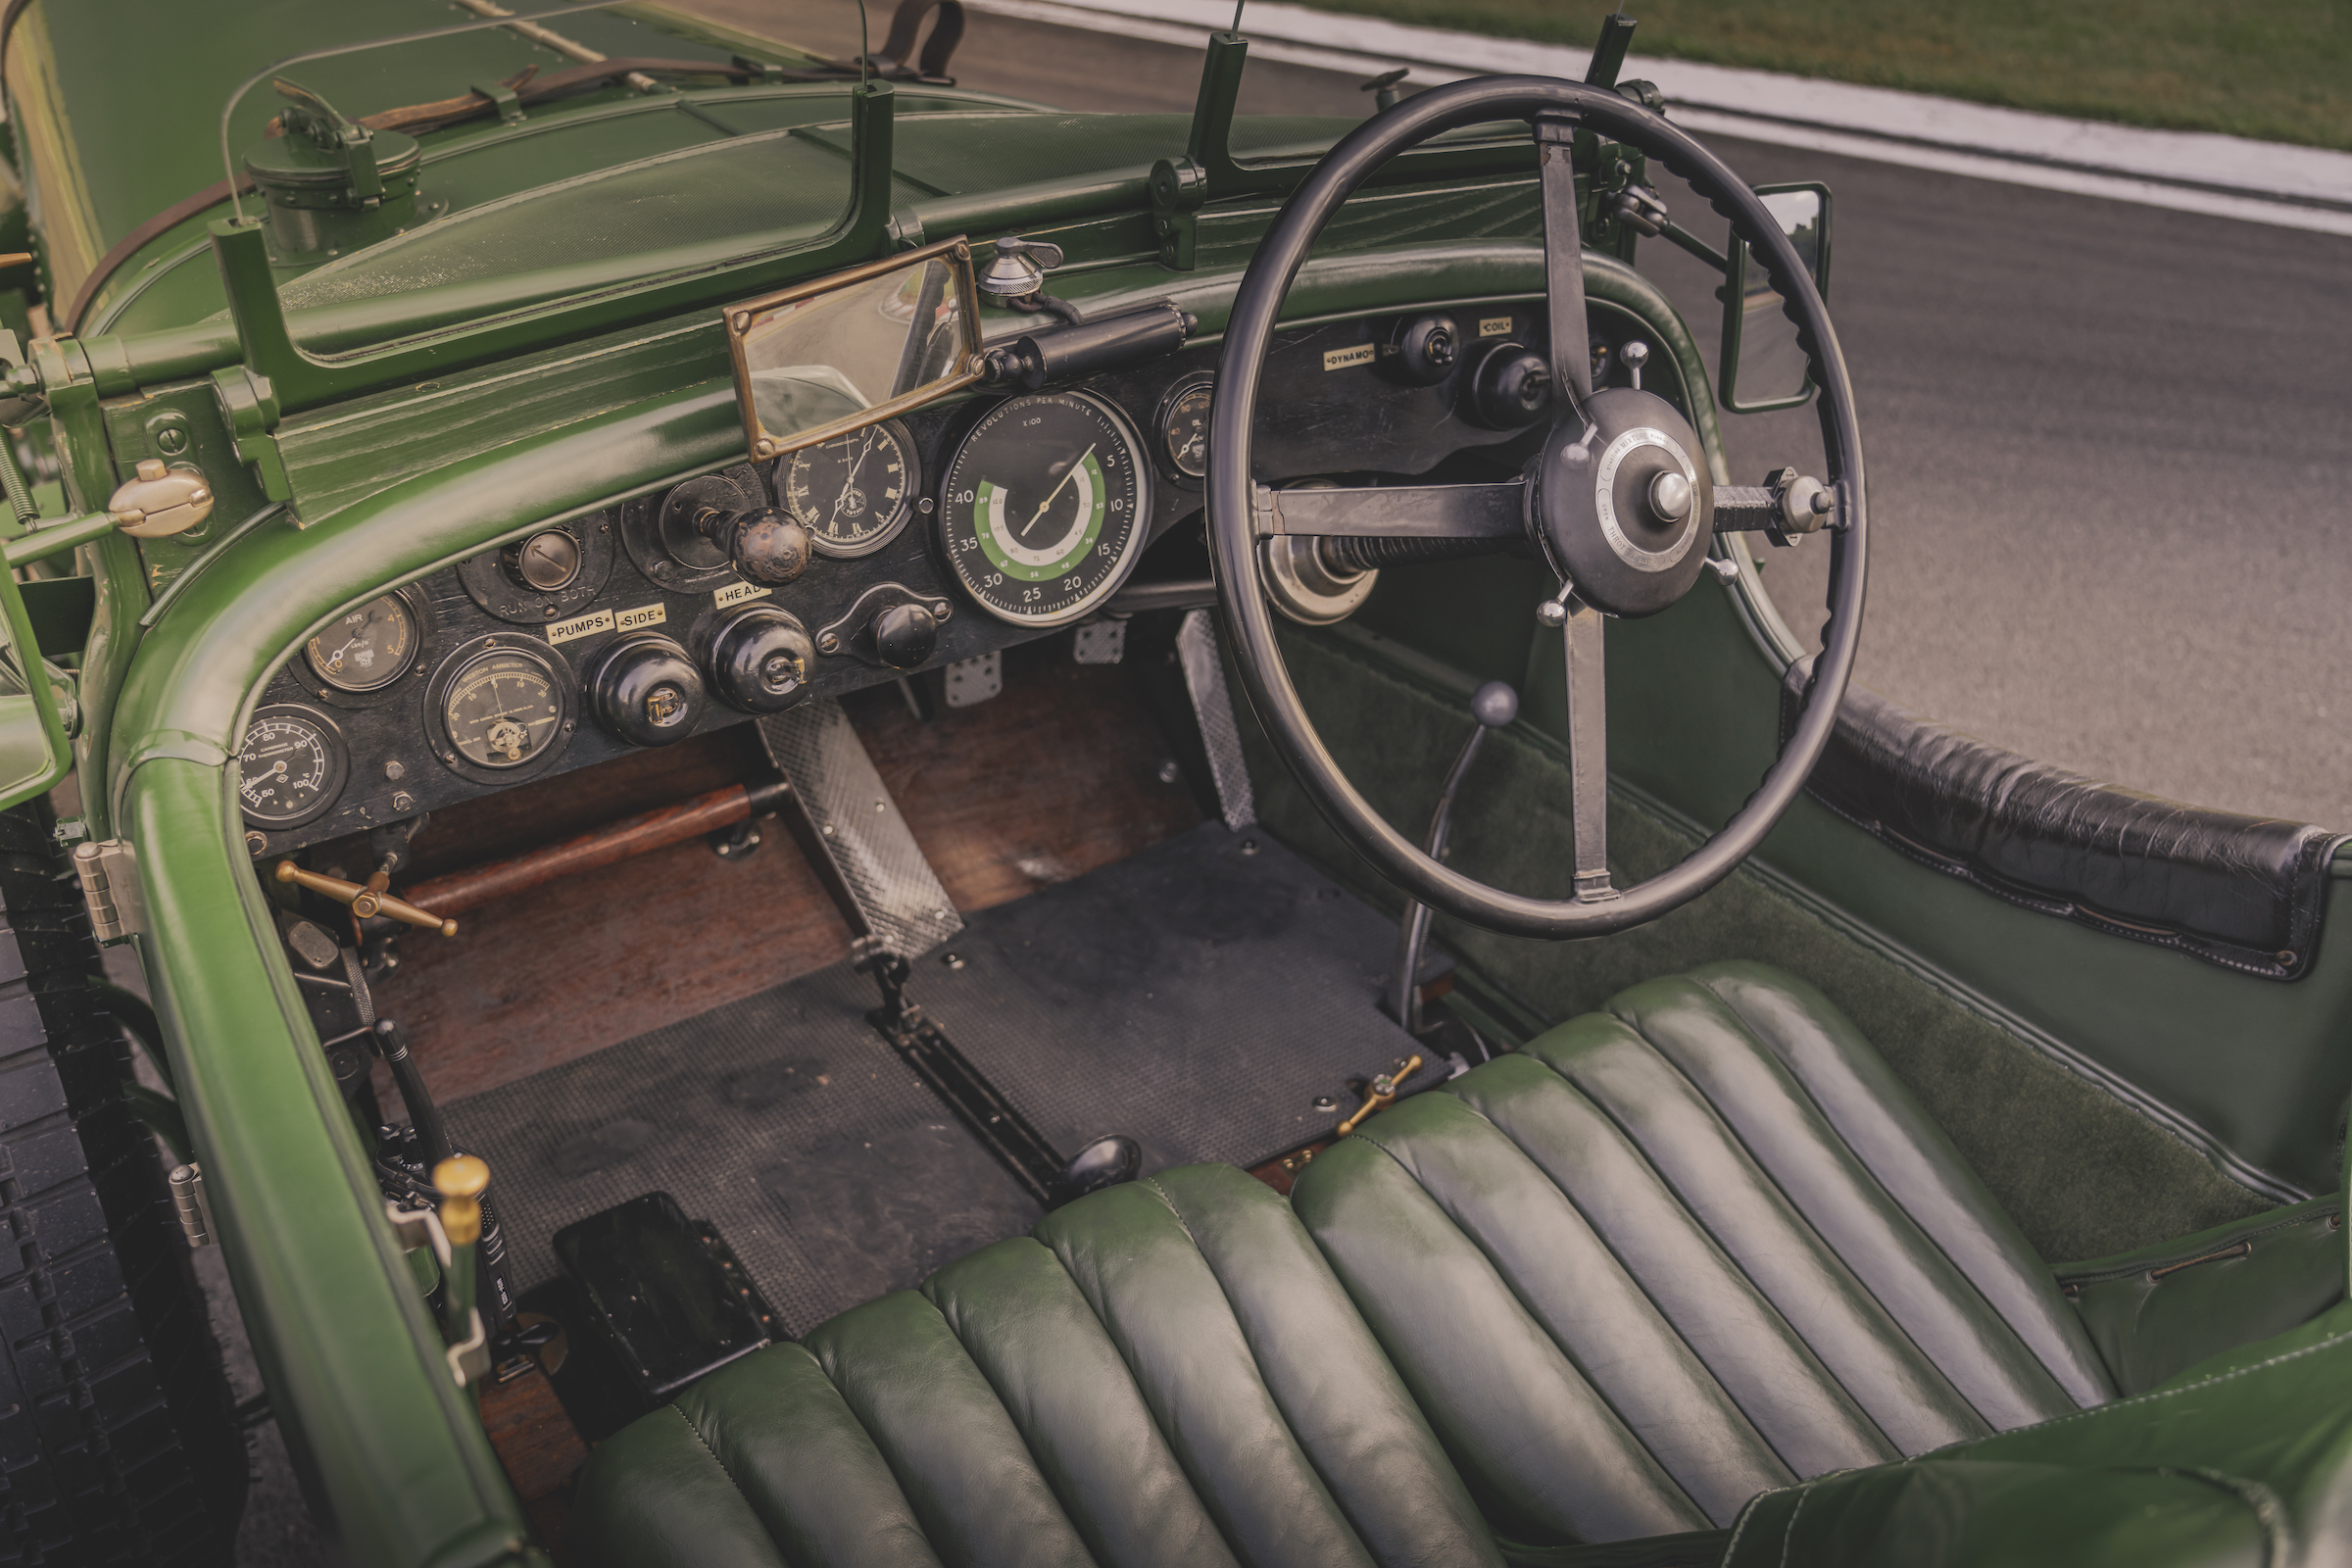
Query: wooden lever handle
[[365, 900]]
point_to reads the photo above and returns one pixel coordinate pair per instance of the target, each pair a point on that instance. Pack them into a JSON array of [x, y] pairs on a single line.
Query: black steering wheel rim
[[1248, 616]]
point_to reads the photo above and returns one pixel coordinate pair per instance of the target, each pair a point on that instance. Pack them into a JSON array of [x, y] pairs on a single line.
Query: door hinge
[[110, 884], [195, 1210]]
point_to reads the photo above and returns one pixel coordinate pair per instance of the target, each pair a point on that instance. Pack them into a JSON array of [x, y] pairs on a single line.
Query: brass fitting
[[462, 1179], [161, 501], [366, 901], [1382, 1095]]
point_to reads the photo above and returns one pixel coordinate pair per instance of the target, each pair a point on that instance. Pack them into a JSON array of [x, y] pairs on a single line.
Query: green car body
[[541, 337]]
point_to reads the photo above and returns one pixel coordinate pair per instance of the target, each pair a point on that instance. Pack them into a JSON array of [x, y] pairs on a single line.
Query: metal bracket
[[1099, 642], [973, 681], [109, 871], [853, 632], [418, 1228], [470, 1357], [249, 403]]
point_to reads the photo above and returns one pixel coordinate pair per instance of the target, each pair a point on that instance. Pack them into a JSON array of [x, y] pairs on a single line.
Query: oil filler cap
[[646, 691]]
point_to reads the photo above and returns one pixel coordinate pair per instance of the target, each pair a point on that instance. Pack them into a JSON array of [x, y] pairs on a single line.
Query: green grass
[[2275, 69]]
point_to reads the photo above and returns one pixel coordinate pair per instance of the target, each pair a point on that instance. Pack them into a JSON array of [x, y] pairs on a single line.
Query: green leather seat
[[1669, 1255]]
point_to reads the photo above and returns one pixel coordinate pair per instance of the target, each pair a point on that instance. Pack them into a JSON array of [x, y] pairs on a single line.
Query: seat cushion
[[1614, 1285], [1693, 1247]]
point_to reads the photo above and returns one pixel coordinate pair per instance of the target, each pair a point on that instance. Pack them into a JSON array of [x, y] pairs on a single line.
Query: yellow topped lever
[[366, 901], [1382, 1094]]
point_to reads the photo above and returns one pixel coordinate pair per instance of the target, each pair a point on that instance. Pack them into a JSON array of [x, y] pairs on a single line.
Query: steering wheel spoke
[[1588, 753], [1497, 511], [1565, 258]]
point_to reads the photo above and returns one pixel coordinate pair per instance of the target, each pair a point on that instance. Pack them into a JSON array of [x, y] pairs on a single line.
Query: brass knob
[[462, 1179], [366, 901]]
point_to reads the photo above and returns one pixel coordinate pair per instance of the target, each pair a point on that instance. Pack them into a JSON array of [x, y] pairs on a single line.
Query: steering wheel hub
[[1621, 505]]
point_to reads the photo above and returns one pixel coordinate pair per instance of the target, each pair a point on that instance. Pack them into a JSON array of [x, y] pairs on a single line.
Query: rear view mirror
[[36, 713], [1763, 368], [834, 355]]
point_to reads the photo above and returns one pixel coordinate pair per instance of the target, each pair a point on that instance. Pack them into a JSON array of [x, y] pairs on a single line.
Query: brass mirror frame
[[740, 317], [1735, 312]]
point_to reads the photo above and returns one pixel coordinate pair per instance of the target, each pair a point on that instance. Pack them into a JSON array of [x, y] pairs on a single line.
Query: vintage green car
[[967, 752]]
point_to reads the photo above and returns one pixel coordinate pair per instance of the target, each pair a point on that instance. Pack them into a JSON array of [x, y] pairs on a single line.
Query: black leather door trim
[[2247, 893]]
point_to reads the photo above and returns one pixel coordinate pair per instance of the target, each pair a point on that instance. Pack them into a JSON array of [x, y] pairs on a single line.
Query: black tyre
[[118, 1438]]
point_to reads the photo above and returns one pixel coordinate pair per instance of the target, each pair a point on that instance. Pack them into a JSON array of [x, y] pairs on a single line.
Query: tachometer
[[368, 649], [1043, 509], [291, 767], [853, 494]]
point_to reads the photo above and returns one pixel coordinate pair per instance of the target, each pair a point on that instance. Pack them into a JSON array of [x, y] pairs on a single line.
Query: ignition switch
[[1508, 388], [646, 691], [1422, 350], [760, 659], [547, 563]]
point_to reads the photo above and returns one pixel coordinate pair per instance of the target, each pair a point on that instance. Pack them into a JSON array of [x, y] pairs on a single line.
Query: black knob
[[646, 691], [1422, 350], [760, 659], [1511, 387], [906, 636], [765, 546], [547, 563]]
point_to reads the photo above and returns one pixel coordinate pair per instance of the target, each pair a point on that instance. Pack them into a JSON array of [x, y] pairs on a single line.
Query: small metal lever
[[1494, 706], [366, 901], [1380, 1094]]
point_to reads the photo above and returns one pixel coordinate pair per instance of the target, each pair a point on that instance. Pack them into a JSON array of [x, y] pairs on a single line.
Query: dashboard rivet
[[394, 771], [403, 801], [954, 960]]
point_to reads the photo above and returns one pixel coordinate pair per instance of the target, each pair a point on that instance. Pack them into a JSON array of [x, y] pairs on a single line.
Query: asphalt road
[[2109, 451]]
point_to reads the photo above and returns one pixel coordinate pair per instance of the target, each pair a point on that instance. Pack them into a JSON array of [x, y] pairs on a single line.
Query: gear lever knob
[[1494, 704]]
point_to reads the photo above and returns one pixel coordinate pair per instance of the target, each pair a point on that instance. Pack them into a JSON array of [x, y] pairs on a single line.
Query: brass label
[[1341, 359], [735, 593], [1494, 327], [642, 616], [596, 621]]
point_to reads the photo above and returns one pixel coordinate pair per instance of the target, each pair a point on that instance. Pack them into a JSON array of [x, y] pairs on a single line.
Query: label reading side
[[735, 593], [1341, 359], [1494, 327], [642, 616], [596, 621]]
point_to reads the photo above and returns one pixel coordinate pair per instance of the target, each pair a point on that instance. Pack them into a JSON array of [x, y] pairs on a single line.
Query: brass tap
[[1382, 1094], [462, 1179], [365, 900]]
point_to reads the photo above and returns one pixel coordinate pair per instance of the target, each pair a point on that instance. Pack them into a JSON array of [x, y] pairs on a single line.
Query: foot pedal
[[668, 1293], [853, 832]]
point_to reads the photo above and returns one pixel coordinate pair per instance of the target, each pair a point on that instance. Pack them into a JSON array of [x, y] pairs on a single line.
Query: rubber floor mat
[[1198, 996]]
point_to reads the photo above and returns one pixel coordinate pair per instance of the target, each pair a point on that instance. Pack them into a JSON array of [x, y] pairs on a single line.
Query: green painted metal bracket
[[295, 379], [249, 404]]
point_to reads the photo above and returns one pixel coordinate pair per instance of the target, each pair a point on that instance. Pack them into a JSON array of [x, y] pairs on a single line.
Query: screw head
[[171, 440], [954, 960]]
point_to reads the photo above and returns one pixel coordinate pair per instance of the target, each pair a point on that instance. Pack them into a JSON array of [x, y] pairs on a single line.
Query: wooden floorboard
[[1059, 774]]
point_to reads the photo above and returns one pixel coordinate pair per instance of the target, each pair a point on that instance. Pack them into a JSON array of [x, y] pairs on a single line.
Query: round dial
[[503, 709], [1183, 429], [368, 649], [547, 563], [291, 765], [853, 493], [1043, 510]]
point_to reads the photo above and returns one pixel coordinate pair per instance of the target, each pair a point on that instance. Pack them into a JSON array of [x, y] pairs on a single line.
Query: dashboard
[[956, 530]]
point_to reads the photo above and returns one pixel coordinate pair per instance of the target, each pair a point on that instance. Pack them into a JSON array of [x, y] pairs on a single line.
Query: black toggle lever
[[1494, 706]]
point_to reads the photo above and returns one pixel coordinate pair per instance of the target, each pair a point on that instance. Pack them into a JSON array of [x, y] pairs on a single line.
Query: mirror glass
[[853, 349], [1763, 368]]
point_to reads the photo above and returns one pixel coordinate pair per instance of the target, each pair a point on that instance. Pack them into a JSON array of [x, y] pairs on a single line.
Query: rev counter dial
[[855, 493], [1043, 509], [291, 765]]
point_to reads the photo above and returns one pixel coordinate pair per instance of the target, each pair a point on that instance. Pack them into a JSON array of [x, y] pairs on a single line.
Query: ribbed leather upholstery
[[1667, 1256]]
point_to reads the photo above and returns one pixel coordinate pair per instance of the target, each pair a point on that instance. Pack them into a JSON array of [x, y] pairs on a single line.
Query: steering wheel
[[1618, 500]]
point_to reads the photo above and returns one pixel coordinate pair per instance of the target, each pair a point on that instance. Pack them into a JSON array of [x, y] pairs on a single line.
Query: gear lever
[[1494, 706]]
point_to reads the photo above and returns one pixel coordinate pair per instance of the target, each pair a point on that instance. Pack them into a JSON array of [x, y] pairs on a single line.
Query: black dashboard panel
[[1334, 401]]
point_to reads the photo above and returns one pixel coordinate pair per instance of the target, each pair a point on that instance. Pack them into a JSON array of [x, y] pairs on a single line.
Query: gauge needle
[[1056, 490], [849, 480]]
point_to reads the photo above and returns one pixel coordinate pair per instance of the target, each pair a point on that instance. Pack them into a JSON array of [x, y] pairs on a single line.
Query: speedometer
[[1044, 507]]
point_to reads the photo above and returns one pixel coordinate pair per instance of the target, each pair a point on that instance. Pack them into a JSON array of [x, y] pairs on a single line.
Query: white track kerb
[[2195, 172]]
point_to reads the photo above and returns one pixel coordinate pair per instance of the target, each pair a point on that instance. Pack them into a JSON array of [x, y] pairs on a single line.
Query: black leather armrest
[[2245, 892]]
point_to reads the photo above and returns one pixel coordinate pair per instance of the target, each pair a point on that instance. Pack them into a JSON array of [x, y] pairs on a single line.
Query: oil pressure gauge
[[291, 765], [853, 494], [1184, 426]]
